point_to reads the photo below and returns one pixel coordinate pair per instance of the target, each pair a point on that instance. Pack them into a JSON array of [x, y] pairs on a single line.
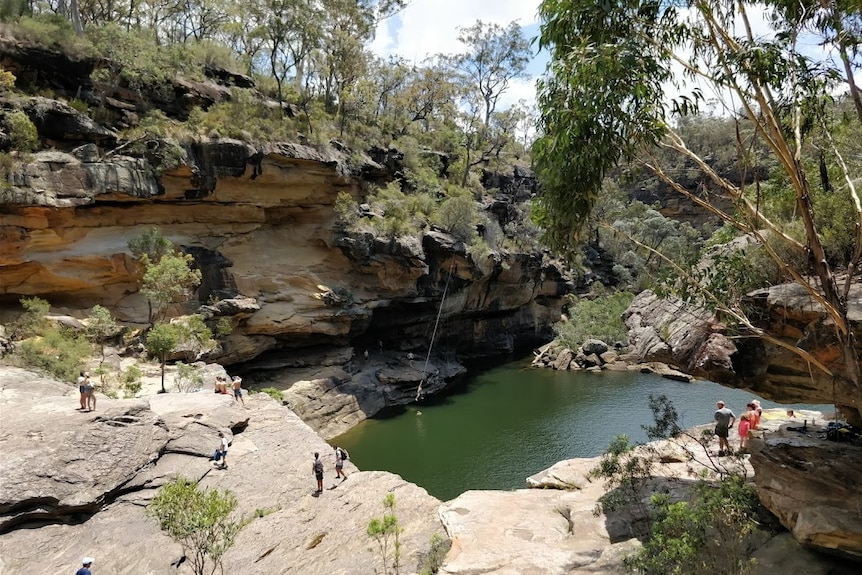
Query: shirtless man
[[724, 420], [237, 389]]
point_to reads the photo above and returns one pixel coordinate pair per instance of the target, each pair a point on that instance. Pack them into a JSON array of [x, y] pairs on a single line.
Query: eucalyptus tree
[[608, 97], [494, 57], [292, 31]]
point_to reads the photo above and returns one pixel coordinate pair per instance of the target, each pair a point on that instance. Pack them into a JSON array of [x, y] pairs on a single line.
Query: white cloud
[[428, 27]]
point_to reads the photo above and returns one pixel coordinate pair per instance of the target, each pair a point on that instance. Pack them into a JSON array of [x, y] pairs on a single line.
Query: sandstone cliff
[[260, 223], [671, 331]]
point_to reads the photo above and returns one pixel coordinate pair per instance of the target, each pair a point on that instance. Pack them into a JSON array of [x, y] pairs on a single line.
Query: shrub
[[458, 215], [433, 559], [188, 378], [23, 135], [274, 393], [707, 535], [198, 519], [345, 210], [56, 352], [386, 532], [130, 379], [32, 321], [600, 318]]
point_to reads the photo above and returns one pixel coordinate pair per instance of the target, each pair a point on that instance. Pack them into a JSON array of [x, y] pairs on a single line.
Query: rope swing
[[434, 333]]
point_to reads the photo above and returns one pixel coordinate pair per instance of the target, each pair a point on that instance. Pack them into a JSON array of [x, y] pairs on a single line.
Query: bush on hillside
[[56, 352], [600, 318], [23, 135]]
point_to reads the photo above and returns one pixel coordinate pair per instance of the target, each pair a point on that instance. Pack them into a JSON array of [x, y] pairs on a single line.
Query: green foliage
[[599, 318], [101, 325], [403, 213], [198, 519], [459, 215], [223, 327], [346, 210], [168, 280], [152, 244], [709, 530], [56, 352], [188, 378], [7, 80], [433, 559], [161, 340], [245, 117], [707, 535], [274, 393], [626, 474], [386, 532], [23, 135], [130, 379], [33, 321], [49, 29]]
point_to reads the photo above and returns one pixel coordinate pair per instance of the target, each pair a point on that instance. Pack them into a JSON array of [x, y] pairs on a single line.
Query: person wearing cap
[[85, 570]]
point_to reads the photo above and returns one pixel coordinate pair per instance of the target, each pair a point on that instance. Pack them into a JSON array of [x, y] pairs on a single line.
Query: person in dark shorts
[[317, 469], [237, 389], [724, 420], [340, 457]]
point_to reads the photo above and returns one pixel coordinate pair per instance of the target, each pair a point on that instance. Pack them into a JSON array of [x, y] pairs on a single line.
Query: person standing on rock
[[317, 469], [85, 570], [237, 389], [82, 389], [724, 420], [90, 392], [222, 448], [758, 412], [340, 457]]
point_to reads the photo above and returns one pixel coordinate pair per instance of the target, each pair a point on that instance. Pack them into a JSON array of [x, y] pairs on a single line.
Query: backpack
[[318, 466], [344, 454]]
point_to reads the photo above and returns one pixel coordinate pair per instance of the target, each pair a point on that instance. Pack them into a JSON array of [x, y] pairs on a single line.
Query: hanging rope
[[434, 333]]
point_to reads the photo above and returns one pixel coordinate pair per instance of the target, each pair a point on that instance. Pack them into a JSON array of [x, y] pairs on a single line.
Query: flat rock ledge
[[76, 483], [553, 527]]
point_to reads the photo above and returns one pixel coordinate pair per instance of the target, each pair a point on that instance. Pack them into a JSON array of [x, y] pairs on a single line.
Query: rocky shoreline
[[76, 483]]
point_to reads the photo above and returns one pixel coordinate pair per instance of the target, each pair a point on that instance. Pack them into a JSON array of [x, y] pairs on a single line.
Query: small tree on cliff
[[604, 100], [162, 339], [167, 274], [198, 519]]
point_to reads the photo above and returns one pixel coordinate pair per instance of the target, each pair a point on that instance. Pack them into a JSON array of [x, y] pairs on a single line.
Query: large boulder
[[671, 331], [813, 486]]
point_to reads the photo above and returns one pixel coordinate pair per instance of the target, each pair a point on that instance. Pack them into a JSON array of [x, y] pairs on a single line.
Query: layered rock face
[[813, 486], [74, 484], [260, 223], [670, 331]]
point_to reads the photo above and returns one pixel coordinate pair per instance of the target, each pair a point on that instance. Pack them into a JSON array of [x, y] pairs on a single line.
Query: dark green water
[[513, 421]]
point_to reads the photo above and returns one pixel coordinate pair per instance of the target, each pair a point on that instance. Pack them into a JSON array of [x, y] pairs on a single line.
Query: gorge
[[306, 300]]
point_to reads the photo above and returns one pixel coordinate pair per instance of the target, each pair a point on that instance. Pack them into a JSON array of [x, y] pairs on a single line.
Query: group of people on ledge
[[236, 385], [725, 418]]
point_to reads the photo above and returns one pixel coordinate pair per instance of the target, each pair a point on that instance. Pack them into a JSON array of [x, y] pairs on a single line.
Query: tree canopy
[[624, 74]]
